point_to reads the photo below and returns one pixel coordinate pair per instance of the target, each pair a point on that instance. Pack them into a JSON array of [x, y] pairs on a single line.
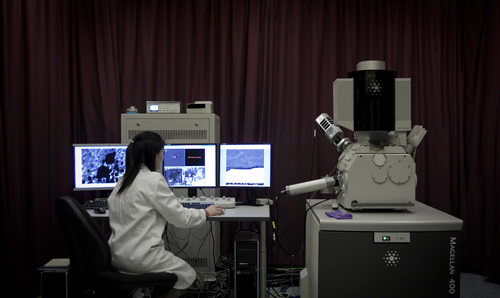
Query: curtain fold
[[70, 68], [481, 92]]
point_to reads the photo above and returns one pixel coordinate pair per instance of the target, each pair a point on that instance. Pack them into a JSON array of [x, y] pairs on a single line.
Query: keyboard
[[92, 204], [204, 202], [188, 202]]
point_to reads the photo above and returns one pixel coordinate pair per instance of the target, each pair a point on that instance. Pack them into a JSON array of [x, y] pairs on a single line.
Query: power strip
[[264, 201]]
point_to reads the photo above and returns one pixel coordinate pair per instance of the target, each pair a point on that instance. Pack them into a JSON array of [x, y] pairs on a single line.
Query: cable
[[281, 280], [218, 288], [203, 242], [305, 217], [313, 149], [274, 220]]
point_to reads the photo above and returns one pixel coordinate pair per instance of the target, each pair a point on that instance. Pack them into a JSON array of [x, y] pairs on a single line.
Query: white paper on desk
[[57, 263]]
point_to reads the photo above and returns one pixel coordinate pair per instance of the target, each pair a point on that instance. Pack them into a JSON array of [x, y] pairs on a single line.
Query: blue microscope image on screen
[[184, 167], [245, 167], [102, 165], [244, 159]]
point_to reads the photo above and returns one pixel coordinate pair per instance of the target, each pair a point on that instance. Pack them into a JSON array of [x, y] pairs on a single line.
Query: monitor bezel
[[246, 187], [78, 186]]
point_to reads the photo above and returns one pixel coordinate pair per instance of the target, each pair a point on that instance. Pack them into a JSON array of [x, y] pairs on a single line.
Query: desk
[[382, 253], [239, 213]]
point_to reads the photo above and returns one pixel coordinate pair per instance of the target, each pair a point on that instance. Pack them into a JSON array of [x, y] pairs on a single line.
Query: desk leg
[[263, 260]]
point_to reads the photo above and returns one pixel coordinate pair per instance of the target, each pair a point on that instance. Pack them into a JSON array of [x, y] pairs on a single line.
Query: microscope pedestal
[[382, 253]]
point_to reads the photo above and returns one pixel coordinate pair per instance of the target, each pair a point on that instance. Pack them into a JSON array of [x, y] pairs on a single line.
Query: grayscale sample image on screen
[[99, 166], [102, 165]]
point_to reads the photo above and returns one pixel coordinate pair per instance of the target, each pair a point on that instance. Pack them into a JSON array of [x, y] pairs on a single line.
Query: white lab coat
[[137, 218]]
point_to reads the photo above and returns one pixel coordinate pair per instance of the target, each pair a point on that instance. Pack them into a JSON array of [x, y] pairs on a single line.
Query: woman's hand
[[214, 210]]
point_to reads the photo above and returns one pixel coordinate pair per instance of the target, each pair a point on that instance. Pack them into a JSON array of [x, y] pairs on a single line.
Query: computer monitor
[[98, 166], [190, 166], [246, 166]]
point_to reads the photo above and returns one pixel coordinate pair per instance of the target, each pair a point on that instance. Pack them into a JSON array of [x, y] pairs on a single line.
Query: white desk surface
[[417, 218], [244, 213], [238, 213]]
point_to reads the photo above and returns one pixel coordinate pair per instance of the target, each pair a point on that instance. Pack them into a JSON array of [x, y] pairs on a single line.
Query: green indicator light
[[386, 238]]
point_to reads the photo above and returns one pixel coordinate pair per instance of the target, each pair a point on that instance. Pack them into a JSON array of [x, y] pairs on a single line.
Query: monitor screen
[[190, 165], [98, 166], [245, 165]]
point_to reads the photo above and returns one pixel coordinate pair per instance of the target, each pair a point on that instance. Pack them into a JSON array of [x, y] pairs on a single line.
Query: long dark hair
[[142, 150]]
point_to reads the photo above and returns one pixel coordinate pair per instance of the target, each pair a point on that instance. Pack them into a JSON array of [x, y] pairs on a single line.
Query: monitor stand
[[192, 192], [103, 195]]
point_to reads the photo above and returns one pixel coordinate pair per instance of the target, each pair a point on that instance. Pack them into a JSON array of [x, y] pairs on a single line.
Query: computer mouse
[[100, 210]]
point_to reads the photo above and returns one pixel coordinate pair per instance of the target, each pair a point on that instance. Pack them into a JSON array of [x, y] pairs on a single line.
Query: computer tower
[[246, 264]]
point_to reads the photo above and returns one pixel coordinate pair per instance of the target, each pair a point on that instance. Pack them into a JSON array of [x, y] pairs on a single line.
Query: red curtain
[[70, 68]]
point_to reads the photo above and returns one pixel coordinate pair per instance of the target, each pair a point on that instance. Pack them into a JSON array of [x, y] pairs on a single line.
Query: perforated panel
[[173, 128], [171, 135]]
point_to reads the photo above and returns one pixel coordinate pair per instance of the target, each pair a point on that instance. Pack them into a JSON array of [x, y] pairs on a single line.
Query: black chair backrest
[[88, 248]]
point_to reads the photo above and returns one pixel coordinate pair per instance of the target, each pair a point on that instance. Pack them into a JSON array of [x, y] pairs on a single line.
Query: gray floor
[[472, 286], [477, 286]]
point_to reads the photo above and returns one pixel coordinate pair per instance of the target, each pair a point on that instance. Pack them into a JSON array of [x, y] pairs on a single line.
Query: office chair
[[90, 257]]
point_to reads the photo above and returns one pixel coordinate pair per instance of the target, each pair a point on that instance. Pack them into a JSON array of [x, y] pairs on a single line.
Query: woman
[[139, 208]]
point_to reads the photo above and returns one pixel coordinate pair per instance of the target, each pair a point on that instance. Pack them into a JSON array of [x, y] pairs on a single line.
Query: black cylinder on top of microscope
[[374, 100]]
